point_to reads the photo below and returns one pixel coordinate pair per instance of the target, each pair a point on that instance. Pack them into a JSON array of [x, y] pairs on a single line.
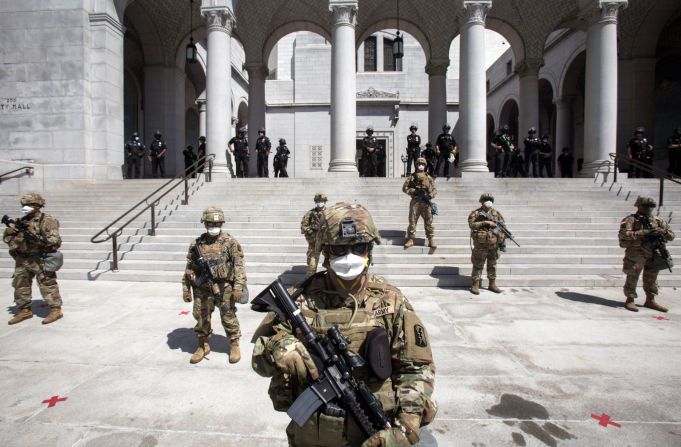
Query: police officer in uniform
[[157, 155], [370, 153], [189, 161], [201, 154], [445, 147], [362, 306], [238, 145], [674, 148], [28, 252], [532, 145], [413, 147], [309, 226], [503, 148], [134, 154], [640, 150], [281, 159], [263, 146], [636, 231], [416, 185], [226, 260], [431, 158], [545, 157], [487, 241]]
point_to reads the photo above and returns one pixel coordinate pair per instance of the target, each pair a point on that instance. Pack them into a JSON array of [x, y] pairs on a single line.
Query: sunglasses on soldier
[[356, 249]]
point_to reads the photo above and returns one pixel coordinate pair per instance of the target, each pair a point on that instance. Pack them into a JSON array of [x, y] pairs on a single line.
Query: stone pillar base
[[343, 166], [466, 175], [602, 170], [473, 165]]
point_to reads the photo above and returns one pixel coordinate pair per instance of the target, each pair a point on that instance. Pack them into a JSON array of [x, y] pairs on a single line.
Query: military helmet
[[32, 198], [282, 140], [532, 130], [446, 127], [421, 161], [413, 126], [320, 197], [486, 196], [640, 130], [157, 135], [370, 129], [348, 224], [213, 214], [645, 201]]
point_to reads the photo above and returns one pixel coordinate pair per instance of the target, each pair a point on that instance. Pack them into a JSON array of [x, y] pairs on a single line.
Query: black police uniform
[[240, 155], [263, 146], [134, 153], [517, 165], [532, 146], [674, 155], [201, 153], [565, 162], [502, 156], [545, 152], [413, 151], [281, 160], [189, 160], [370, 156], [445, 143], [641, 152], [429, 154], [157, 152]]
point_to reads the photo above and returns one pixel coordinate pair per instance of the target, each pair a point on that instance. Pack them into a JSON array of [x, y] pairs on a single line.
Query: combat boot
[[493, 286], [234, 351], [475, 287], [630, 305], [202, 351], [24, 314], [409, 243], [651, 304], [53, 316], [431, 242]]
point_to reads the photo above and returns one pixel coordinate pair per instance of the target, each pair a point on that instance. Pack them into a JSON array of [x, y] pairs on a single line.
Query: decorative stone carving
[[529, 67], [476, 11], [344, 12], [609, 10], [257, 70], [219, 19], [437, 67], [372, 93]]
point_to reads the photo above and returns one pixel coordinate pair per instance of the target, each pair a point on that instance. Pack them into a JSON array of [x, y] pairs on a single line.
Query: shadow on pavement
[[589, 299], [185, 340]]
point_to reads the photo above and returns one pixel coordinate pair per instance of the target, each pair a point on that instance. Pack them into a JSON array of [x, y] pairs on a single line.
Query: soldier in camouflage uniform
[[638, 256], [487, 241], [360, 304], [416, 182], [226, 259], [28, 255], [309, 227]]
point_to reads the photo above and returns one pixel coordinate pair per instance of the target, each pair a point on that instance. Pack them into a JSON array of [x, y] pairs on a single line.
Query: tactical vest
[[218, 257], [485, 236]]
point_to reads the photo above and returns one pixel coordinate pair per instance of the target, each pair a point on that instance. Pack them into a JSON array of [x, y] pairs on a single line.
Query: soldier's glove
[[291, 357], [11, 231], [187, 296], [411, 191], [237, 294], [394, 437]]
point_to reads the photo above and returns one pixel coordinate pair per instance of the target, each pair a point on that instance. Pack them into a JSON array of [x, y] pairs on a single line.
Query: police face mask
[[213, 231], [137, 138], [488, 204], [26, 209], [421, 167], [350, 266], [320, 205]]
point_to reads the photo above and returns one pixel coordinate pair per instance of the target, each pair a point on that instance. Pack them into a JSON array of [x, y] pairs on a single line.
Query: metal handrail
[[151, 205], [658, 173], [28, 170]]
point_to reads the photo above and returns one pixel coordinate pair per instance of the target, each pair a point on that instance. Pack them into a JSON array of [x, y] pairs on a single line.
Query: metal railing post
[[661, 191], [614, 175], [186, 192], [210, 170], [153, 220], [114, 265]]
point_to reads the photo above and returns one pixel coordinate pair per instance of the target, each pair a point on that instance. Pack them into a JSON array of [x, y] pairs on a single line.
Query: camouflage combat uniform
[[406, 394], [309, 226], [418, 207], [639, 258], [485, 245], [28, 257]]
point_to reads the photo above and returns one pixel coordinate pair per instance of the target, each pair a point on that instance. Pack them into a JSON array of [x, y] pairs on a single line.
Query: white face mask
[[349, 267], [26, 209], [319, 204], [488, 204], [421, 168], [213, 231]]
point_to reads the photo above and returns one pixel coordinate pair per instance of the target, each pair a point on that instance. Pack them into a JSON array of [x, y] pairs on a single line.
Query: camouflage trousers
[[312, 258], [480, 254], [633, 265], [24, 273], [418, 208], [204, 304]]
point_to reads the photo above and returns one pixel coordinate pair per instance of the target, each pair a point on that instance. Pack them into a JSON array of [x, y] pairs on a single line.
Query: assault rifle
[[206, 274], [336, 390], [500, 226], [425, 197], [506, 143], [657, 244], [20, 226]]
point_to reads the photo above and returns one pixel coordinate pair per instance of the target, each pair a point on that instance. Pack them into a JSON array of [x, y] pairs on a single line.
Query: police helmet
[[370, 129], [33, 198], [213, 214], [505, 128], [282, 140], [446, 127], [348, 224], [414, 126], [640, 130], [135, 135], [532, 130], [202, 138], [157, 135], [428, 144], [242, 130], [486, 196], [320, 197], [647, 202], [261, 130]]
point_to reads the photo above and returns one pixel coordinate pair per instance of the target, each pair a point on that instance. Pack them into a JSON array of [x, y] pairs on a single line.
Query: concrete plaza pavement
[[527, 367]]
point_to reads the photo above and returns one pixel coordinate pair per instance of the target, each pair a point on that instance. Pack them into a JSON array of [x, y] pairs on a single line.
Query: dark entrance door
[[382, 169]]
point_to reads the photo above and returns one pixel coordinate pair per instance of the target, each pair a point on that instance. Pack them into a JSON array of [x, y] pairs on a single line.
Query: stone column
[[343, 87], [379, 52], [528, 73], [600, 120], [257, 74], [220, 22], [564, 129], [201, 103], [472, 88], [437, 97]]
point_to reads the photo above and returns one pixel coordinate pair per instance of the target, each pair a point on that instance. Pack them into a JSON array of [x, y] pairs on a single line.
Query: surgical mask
[[488, 204], [319, 204], [421, 167], [137, 138], [213, 231], [350, 266], [26, 209]]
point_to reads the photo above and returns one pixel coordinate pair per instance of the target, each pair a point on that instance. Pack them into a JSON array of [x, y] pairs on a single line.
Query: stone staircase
[[567, 229]]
